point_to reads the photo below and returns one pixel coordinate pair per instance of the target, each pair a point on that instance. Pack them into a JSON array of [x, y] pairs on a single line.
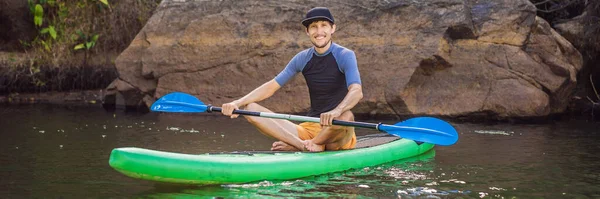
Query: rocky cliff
[[447, 58]]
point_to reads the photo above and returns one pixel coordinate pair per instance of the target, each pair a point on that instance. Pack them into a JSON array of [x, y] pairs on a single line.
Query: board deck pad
[[363, 141]]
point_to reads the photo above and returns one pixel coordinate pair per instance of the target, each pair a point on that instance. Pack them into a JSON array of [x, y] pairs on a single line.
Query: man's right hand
[[228, 108]]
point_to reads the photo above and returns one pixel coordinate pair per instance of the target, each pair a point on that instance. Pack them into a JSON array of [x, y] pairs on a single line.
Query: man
[[333, 81]]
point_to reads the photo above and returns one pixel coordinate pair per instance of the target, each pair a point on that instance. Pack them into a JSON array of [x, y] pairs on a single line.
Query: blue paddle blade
[[178, 102], [424, 129]]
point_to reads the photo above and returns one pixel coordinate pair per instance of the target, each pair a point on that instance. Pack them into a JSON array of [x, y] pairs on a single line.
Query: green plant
[[88, 42], [105, 2], [37, 9], [55, 13]]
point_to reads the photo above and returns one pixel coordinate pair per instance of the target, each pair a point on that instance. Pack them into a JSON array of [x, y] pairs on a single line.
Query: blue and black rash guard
[[327, 75]]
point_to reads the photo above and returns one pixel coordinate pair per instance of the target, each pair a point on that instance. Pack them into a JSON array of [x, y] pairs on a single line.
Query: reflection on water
[[53, 152]]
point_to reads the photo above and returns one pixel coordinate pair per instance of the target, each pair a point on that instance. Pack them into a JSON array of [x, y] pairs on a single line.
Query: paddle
[[423, 129]]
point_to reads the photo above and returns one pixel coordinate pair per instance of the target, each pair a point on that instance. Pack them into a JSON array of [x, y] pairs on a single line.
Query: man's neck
[[324, 49]]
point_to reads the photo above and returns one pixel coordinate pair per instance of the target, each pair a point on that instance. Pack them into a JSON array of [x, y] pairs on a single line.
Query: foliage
[[88, 42], [73, 33], [68, 28], [49, 18], [56, 13]]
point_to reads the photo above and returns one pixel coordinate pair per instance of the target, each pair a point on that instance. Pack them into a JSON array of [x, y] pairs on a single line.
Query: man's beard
[[323, 46]]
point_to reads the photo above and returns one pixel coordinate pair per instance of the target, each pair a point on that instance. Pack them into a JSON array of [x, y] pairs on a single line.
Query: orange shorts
[[309, 130]]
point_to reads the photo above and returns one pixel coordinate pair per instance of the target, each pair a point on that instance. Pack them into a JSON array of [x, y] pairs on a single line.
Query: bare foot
[[282, 146], [308, 144]]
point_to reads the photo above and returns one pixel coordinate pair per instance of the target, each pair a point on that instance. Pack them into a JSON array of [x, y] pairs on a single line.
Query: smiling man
[[333, 80]]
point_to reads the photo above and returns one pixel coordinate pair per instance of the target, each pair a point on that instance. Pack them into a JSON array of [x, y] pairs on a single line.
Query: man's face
[[320, 33]]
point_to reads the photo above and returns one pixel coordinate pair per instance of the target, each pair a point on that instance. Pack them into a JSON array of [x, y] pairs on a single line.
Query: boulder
[[433, 57]]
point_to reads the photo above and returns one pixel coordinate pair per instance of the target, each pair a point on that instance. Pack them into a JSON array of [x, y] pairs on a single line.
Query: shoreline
[[95, 98], [84, 97]]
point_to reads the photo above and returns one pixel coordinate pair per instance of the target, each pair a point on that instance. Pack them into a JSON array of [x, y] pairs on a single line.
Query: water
[[62, 152]]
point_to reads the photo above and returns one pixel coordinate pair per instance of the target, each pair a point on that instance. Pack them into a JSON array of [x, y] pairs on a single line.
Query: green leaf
[[37, 21], [105, 2], [51, 2], [89, 45], [95, 38], [39, 13], [79, 46], [52, 32], [46, 45], [44, 30], [39, 10]]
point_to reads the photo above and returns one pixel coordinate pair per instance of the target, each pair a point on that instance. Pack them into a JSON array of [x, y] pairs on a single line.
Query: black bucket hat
[[318, 13]]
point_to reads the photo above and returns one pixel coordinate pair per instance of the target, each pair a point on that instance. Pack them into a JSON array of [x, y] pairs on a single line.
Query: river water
[[62, 152]]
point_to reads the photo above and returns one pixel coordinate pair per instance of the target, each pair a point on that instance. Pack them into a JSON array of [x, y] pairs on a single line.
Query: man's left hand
[[327, 117]]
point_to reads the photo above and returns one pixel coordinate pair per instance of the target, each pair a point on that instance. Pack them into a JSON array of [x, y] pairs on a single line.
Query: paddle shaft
[[295, 118], [421, 129], [437, 132], [392, 129]]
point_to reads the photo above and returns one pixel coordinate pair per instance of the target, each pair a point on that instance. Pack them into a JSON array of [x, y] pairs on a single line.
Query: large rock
[[431, 57]]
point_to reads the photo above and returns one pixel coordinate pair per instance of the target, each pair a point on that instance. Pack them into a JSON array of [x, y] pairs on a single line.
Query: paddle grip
[[241, 112], [355, 124]]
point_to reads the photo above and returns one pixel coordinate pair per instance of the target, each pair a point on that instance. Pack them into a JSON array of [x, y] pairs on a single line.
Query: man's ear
[[333, 29]]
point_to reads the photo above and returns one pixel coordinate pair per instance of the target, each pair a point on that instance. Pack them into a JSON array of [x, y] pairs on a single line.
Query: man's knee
[[339, 131], [346, 116], [252, 107]]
